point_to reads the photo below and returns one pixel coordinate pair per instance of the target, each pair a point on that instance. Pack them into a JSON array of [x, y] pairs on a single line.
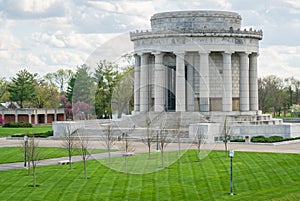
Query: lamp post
[[231, 154], [25, 149]]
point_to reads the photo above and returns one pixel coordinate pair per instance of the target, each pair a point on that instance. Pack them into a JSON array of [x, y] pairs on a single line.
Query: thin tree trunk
[[84, 167], [70, 163], [149, 151], [162, 158]]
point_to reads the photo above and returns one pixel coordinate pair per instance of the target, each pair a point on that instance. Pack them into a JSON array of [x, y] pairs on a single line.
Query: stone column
[[244, 81], [35, 117], [180, 82], [137, 74], [46, 116], [190, 94], [227, 83], [55, 114], [253, 83], [144, 83], [159, 83], [204, 82], [16, 115], [29, 116]]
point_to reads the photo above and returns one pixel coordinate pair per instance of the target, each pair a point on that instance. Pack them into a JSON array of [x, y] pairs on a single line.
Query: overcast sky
[[46, 35]]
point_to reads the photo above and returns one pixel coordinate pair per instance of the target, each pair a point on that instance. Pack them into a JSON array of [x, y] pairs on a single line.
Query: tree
[[60, 78], [83, 145], [22, 87], [81, 110], [83, 86], [126, 146], [71, 84], [164, 140], [33, 153], [46, 95], [3, 89], [295, 110], [69, 142], [199, 140], [226, 135], [122, 96], [108, 140], [80, 93], [106, 76], [148, 139], [273, 96]]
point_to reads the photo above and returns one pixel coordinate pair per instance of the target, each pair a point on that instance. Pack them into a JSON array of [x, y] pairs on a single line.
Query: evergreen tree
[[22, 87], [106, 77]]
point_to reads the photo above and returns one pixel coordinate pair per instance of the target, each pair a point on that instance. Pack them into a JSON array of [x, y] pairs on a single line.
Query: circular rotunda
[[196, 61]]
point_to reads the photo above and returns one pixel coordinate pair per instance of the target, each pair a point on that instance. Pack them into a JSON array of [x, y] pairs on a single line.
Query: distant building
[[32, 115]]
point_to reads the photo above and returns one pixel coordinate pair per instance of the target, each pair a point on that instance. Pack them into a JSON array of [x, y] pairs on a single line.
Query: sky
[[46, 35]]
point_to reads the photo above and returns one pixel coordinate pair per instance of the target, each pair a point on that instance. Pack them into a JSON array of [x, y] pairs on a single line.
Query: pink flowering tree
[[2, 121], [81, 110]]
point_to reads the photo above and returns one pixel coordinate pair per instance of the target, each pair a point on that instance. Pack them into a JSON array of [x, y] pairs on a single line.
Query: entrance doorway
[[171, 88]]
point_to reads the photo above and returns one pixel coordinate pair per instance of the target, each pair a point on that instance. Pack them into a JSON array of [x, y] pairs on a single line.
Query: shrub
[[46, 134], [18, 125], [258, 139], [275, 139], [237, 140]]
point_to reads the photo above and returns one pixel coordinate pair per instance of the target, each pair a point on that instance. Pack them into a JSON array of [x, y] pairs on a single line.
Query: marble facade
[[196, 61]]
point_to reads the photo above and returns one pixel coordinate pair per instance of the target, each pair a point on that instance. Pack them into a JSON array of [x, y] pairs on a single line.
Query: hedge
[[17, 125]]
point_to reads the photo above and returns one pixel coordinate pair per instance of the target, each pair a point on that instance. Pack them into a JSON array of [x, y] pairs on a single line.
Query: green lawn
[[16, 154], [4, 132], [257, 176]]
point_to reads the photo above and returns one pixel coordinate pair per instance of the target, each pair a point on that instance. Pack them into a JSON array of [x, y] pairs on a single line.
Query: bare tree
[[126, 146], [148, 139], [83, 144], [108, 140], [199, 140], [33, 153], [164, 140], [226, 135], [69, 142]]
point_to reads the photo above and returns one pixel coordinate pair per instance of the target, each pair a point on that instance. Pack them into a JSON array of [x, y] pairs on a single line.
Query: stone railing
[[250, 33]]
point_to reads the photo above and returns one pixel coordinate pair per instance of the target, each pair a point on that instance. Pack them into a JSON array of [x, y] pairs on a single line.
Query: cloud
[[280, 61], [29, 9]]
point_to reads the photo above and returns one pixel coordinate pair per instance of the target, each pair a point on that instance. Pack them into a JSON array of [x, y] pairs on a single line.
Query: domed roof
[[195, 20]]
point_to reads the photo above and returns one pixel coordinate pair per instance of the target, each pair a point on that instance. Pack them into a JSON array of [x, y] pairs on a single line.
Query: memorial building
[[196, 61], [196, 70]]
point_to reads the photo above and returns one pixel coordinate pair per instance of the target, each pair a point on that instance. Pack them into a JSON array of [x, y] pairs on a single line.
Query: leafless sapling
[[126, 146], [69, 141], [83, 145], [108, 140], [199, 140], [148, 139], [164, 140], [33, 153], [226, 135]]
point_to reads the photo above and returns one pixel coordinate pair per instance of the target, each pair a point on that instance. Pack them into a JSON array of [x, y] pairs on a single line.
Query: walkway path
[[291, 147]]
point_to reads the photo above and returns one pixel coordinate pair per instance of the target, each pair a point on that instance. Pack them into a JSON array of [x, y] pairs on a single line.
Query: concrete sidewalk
[[55, 161]]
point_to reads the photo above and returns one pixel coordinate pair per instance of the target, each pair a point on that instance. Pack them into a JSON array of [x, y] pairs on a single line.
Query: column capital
[[227, 53], [157, 53], [256, 54], [244, 53], [178, 53], [204, 52]]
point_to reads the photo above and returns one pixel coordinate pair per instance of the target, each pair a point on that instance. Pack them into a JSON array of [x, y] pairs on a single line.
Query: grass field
[[257, 176], [16, 154], [4, 132]]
